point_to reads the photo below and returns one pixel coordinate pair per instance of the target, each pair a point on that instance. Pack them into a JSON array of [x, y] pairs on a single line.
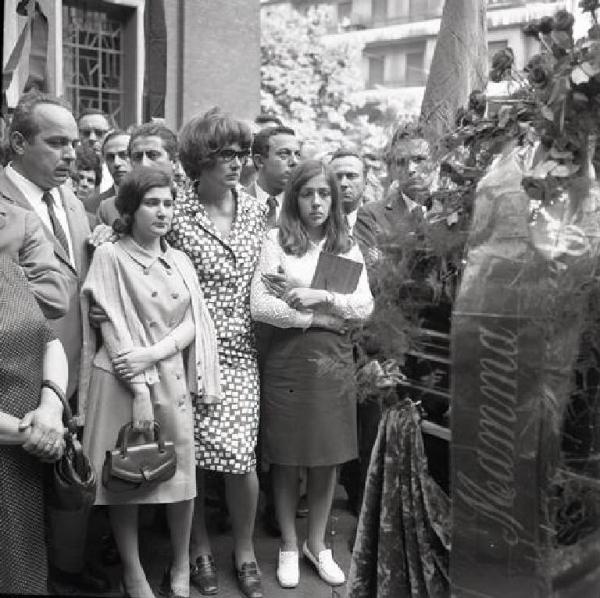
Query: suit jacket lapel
[[8, 189]]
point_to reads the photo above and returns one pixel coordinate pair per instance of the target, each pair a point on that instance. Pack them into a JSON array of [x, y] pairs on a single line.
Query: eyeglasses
[[98, 132], [228, 155]]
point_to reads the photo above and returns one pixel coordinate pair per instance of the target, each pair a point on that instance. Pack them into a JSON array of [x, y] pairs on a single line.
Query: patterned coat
[[226, 432]]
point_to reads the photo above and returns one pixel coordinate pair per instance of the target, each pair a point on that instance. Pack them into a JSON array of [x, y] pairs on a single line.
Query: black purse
[[71, 480], [134, 466]]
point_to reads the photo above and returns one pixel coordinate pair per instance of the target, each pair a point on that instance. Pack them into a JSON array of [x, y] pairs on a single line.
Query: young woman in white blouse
[[308, 418]]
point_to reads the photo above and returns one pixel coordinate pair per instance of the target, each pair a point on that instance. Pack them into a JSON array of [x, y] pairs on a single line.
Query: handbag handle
[[67, 414], [127, 429]]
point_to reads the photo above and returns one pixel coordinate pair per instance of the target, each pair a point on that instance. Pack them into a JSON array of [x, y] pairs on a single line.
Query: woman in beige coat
[[156, 316]]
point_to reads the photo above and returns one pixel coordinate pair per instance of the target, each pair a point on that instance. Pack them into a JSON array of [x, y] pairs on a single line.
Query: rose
[[546, 25], [532, 29], [477, 102], [589, 5], [501, 64], [539, 71], [503, 59], [535, 188], [563, 21]]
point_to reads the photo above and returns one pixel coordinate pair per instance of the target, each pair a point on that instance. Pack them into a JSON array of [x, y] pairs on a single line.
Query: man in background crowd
[[86, 176], [262, 121], [349, 169], [275, 152], [150, 144], [115, 150], [93, 126], [412, 172]]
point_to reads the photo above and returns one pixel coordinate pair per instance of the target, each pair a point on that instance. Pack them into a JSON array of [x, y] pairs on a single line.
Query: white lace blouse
[[299, 272]]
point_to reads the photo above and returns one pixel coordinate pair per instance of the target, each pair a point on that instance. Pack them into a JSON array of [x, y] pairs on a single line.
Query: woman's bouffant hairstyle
[[293, 236], [132, 189], [202, 137]]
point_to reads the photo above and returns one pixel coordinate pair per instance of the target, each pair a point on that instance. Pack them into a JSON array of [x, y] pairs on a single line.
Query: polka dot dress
[[225, 433]]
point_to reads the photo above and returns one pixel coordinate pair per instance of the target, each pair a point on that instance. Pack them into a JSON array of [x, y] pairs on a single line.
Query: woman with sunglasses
[[308, 417], [221, 229]]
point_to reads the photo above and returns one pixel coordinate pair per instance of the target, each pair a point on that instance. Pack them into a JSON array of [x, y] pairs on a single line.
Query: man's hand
[[102, 234], [46, 433], [134, 361], [143, 412], [304, 299], [96, 315]]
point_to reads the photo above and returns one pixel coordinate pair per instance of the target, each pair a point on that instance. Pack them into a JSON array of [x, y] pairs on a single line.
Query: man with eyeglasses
[[275, 152], [93, 125]]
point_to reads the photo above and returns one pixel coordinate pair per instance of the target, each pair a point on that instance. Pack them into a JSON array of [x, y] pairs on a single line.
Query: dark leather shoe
[[248, 579], [84, 582], [203, 574]]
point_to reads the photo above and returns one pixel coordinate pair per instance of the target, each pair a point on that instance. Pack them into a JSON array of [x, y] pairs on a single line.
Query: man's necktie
[[272, 213], [59, 232]]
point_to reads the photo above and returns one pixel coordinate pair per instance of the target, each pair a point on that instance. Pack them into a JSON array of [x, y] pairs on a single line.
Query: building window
[[93, 58], [415, 72], [376, 70], [344, 11], [379, 10]]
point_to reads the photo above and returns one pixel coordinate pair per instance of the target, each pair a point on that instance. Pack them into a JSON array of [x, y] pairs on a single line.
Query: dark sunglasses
[[228, 155]]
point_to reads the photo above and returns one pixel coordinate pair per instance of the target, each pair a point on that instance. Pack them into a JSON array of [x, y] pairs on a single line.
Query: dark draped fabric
[[403, 537]]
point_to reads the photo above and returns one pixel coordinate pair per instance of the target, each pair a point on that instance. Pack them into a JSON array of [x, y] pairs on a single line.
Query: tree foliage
[[309, 81]]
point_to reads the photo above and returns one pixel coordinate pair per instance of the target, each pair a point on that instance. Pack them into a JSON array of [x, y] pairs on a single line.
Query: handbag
[[134, 466], [71, 480]]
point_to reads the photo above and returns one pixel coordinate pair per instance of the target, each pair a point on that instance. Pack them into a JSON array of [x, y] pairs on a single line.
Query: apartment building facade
[[398, 37]]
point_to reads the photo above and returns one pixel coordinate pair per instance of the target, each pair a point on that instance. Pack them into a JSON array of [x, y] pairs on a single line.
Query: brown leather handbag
[[134, 466]]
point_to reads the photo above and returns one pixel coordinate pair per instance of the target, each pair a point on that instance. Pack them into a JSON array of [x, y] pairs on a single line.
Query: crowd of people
[[153, 278]]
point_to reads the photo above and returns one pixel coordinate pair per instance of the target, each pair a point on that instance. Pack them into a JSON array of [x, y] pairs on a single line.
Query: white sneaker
[[288, 571], [329, 571]]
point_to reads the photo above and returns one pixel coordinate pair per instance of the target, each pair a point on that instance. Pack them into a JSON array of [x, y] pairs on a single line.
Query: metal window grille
[[93, 60]]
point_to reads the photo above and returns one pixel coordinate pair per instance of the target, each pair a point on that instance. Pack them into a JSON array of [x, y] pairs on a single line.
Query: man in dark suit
[[22, 238], [43, 135], [412, 171]]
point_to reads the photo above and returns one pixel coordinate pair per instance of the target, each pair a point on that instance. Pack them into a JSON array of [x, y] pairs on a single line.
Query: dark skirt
[[308, 399]]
